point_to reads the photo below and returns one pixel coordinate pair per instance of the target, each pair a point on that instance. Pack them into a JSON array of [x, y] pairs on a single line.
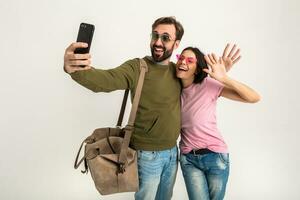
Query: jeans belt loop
[[194, 152]]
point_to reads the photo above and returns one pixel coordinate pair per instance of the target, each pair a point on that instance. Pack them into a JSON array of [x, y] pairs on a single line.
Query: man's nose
[[158, 42]]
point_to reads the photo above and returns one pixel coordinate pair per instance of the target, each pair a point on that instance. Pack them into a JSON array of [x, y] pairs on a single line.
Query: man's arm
[[99, 80]]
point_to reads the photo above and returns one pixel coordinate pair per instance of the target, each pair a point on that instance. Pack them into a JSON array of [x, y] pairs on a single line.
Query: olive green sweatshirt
[[157, 123]]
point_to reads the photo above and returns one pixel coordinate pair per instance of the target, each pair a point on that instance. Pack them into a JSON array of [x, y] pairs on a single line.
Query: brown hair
[[170, 20]]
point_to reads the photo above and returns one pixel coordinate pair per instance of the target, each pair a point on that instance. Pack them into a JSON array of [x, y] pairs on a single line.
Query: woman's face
[[186, 65]]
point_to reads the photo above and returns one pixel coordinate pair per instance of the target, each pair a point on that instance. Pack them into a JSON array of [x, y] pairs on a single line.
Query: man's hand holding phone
[[77, 57], [74, 62]]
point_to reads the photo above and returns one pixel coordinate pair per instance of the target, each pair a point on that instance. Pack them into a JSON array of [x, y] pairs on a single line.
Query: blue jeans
[[205, 175], [157, 173]]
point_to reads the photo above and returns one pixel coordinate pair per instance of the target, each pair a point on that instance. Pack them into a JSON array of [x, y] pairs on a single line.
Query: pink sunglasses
[[188, 60]]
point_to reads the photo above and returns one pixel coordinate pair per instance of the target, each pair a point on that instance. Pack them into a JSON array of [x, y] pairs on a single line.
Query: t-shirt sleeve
[[214, 87]]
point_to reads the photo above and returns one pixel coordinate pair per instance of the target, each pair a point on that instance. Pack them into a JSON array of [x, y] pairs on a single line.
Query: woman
[[204, 155]]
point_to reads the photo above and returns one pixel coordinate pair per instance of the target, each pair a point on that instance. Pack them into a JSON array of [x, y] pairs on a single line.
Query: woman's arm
[[238, 91], [233, 89]]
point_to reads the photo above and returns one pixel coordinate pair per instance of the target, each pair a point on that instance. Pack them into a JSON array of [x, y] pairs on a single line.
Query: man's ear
[[176, 45]]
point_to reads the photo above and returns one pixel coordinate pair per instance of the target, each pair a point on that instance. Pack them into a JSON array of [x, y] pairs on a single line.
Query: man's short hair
[[170, 20]]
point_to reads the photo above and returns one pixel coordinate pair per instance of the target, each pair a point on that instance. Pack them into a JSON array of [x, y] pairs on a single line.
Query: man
[[157, 123]]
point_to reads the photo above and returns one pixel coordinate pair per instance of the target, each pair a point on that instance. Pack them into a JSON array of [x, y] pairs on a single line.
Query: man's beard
[[166, 53]]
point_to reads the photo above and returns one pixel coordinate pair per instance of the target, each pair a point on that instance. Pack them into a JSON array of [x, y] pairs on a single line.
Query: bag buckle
[[121, 168], [128, 128]]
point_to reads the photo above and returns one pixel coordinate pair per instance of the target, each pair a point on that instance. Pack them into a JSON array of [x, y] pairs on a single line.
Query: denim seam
[[222, 159]]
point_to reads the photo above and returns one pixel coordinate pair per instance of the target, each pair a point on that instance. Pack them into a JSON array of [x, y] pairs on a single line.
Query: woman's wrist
[[226, 80]]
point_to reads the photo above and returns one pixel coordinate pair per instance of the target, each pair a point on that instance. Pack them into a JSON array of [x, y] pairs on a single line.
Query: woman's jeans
[[157, 174], [205, 175]]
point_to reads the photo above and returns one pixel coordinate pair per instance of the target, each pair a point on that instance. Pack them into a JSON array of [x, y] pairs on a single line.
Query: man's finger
[[79, 62], [76, 45], [79, 56]]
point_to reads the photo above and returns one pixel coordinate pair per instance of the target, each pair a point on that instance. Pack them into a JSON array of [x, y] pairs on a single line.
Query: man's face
[[163, 42]]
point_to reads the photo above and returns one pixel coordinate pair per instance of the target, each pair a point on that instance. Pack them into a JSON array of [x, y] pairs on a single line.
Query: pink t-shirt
[[198, 117]]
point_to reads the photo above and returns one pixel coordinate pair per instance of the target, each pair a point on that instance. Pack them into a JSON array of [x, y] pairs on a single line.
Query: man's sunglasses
[[165, 38]]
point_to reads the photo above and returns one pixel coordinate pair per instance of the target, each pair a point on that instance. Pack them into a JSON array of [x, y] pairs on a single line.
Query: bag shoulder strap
[[138, 91], [130, 125], [143, 64], [121, 115]]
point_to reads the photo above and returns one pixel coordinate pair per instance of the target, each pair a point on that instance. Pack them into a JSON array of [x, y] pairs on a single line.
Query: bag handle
[[130, 125], [76, 163]]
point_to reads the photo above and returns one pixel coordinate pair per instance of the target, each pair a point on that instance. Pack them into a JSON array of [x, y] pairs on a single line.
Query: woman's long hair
[[201, 64]]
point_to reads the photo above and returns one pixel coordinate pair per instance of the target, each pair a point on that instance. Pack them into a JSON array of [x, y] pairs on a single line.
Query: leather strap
[[121, 115], [130, 126], [76, 164]]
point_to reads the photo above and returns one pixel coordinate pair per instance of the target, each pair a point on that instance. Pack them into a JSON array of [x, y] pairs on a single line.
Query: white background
[[45, 115]]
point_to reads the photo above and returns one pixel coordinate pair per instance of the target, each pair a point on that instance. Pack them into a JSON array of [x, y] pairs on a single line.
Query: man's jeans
[[205, 175], [157, 174]]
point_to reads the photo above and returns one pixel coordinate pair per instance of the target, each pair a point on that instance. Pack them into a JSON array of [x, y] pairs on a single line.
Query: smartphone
[[85, 34]]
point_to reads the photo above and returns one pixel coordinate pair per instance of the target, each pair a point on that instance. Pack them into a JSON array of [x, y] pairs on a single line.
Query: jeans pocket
[[182, 158], [224, 157], [147, 155]]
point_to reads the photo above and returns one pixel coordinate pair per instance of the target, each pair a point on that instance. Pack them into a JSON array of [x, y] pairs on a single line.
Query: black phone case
[[85, 34]]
